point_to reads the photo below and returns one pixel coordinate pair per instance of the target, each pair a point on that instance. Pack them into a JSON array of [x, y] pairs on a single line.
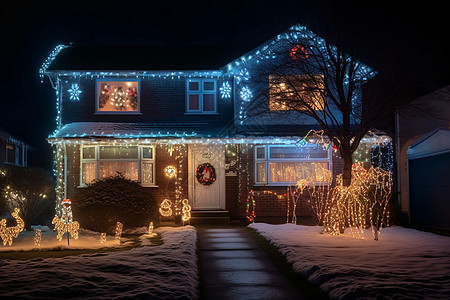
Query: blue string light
[[74, 92]]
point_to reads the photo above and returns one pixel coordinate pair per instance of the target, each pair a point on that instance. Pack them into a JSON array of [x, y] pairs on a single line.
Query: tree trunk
[[347, 172]]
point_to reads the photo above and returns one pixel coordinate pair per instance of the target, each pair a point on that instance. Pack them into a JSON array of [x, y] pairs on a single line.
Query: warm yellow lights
[[166, 208], [37, 237], [9, 233], [186, 211], [119, 227], [150, 228], [170, 171], [102, 238], [62, 227]]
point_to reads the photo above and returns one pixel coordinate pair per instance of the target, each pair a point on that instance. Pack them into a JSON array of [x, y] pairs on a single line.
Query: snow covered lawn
[[168, 271], [403, 264]]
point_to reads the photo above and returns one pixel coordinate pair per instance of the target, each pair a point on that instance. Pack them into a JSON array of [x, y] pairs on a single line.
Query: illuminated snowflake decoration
[[242, 75], [225, 90], [246, 94], [75, 92]]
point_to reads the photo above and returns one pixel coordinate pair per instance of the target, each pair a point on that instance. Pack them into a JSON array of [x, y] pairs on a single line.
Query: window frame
[[201, 92], [267, 160], [140, 160], [112, 112]]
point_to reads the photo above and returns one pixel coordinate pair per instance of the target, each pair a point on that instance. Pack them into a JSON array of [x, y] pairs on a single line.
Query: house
[[13, 152], [178, 120], [423, 142]]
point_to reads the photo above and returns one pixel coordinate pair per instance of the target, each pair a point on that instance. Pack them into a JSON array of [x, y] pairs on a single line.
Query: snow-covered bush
[[102, 204]]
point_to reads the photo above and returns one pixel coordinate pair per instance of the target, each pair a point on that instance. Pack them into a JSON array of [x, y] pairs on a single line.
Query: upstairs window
[[296, 92], [201, 96], [118, 96]]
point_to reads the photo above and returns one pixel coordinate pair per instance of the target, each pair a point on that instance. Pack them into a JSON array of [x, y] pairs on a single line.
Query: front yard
[[403, 264]]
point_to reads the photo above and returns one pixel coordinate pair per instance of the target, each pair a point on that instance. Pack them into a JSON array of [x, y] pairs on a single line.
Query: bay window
[[134, 162], [287, 164]]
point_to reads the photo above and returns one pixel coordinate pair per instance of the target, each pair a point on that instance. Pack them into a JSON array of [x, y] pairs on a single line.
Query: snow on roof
[[433, 143], [141, 130]]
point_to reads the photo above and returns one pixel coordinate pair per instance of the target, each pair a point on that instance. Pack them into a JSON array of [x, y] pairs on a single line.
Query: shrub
[[101, 205], [32, 190]]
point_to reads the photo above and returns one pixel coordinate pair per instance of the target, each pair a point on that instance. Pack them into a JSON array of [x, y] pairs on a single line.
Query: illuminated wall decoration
[[165, 208], [246, 94], [74, 92], [170, 171], [225, 90], [9, 233], [119, 227], [186, 211], [37, 237]]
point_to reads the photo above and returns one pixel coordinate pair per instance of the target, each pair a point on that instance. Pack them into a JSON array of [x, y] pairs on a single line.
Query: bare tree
[[304, 76], [29, 189]]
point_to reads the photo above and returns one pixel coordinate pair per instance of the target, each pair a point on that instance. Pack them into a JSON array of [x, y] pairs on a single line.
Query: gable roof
[[157, 58]]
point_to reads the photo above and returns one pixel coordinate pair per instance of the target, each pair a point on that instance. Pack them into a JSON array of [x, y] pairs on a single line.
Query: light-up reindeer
[[8, 233]]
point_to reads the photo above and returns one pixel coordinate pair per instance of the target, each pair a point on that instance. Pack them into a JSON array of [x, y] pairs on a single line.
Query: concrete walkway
[[234, 267]]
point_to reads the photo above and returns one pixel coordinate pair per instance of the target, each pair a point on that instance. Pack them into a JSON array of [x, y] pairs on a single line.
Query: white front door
[[206, 196]]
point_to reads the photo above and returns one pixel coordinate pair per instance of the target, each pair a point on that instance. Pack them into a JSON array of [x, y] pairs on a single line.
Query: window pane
[[147, 172], [127, 168], [147, 152], [260, 153], [294, 171], [194, 86], [298, 152], [208, 86], [118, 96], [194, 102], [209, 102], [118, 152], [261, 172], [88, 172], [10, 154], [89, 153]]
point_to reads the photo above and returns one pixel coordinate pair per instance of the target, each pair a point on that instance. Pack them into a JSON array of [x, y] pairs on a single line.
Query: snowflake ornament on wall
[[246, 94], [225, 90], [74, 92]]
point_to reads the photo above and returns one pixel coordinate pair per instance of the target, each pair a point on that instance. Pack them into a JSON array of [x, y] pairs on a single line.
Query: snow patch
[[403, 264]]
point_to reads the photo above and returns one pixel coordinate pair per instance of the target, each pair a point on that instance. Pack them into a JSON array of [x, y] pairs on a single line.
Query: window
[[134, 162], [10, 154], [118, 96], [283, 165], [201, 96], [296, 92]]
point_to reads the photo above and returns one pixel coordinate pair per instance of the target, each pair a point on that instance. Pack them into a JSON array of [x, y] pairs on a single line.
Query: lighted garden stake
[[37, 237], [66, 224], [8, 233], [150, 228], [102, 237], [119, 227], [186, 211]]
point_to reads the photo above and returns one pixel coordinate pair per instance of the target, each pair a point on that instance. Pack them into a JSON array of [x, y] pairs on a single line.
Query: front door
[[205, 163]]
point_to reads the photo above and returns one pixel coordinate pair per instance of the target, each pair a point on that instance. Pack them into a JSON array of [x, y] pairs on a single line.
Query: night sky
[[406, 38]]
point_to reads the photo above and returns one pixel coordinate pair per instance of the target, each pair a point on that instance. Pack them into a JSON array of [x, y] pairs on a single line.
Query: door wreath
[[206, 174]]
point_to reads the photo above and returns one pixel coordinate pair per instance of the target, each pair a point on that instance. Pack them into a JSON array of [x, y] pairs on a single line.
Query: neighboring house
[[423, 140], [13, 152], [175, 120]]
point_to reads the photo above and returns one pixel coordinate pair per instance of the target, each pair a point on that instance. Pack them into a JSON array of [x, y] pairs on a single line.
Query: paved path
[[234, 267]]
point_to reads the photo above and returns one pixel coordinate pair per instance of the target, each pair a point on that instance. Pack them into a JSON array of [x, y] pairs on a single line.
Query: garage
[[429, 180]]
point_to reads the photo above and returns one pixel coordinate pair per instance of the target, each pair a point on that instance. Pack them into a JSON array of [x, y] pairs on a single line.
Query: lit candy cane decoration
[[37, 237], [119, 227]]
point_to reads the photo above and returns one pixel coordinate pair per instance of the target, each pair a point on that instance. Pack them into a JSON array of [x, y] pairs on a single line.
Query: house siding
[[161, 100]]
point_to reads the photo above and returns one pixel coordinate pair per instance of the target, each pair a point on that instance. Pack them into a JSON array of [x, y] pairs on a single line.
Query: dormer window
[[118, 96], [201, 96], [296, 92]]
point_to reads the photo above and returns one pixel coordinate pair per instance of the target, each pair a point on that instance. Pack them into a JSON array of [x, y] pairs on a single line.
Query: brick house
[[177, 120]]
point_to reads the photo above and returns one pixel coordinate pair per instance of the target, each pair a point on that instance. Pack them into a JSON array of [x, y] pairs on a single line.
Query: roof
[[156, 58], [141, 130], [433, 143]]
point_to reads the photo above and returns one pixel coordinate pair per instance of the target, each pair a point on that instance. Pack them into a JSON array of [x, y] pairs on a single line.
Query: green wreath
[[202, 170]]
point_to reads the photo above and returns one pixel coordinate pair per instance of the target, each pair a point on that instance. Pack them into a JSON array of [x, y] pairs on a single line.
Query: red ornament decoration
[[206, 174], [299, 52]]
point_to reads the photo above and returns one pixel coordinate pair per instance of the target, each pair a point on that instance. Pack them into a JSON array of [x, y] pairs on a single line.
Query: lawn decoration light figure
[[166, 208], [186, 211], [66, 224], [119, 227], [8, 233]]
